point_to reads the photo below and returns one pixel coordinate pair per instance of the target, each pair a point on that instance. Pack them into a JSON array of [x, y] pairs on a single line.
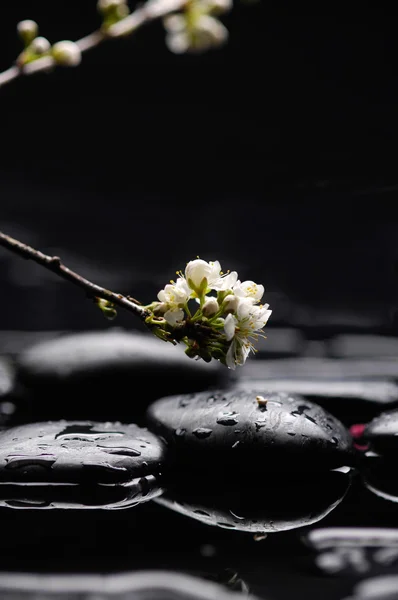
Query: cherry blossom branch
[[54, 264], [150, 11]]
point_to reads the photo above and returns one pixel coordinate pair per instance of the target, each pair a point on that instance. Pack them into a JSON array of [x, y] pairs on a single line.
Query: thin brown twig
[[54, 264], [150, 11]]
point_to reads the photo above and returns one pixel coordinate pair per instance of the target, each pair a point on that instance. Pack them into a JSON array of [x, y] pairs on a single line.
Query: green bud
[[107, 308], [27, 31]]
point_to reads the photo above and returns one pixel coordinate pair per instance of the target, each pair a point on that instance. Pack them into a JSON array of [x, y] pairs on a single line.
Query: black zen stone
[[100, 375], [254, 506], [250, 431], [78, 452], [351, 400], [382, 432]]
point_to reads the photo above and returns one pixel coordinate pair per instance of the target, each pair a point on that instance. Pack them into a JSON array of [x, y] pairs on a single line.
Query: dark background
[[276, 155]]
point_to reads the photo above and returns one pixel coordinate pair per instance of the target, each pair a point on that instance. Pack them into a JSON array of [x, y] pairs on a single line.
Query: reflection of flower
[[224, 325]]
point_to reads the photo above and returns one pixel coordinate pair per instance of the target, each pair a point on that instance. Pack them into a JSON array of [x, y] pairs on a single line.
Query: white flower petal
[[174, 316], [229, 327], [230, 356]]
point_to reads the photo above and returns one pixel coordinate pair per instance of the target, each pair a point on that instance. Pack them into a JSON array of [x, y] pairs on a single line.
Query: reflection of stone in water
[[379, 478], [228, 504], [80, 497], [353, 550]]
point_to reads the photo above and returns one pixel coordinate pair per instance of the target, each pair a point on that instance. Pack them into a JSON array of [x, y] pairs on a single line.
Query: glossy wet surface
[[275, 533]]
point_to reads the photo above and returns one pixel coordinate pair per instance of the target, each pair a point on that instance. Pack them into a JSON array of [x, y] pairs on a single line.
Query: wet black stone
[[287, 432], [350, 399], [101, 375], [382, 432], [263, 508], [78, 452]]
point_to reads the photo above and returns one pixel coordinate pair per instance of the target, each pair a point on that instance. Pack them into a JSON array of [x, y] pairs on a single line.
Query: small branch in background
[[152, 10], [54, 264], [191, 26]]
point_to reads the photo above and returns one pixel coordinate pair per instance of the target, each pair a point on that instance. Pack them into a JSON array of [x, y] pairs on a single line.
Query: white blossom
[[174, 297], [240, 327], [249, 289], [204, 33], [197, 270]]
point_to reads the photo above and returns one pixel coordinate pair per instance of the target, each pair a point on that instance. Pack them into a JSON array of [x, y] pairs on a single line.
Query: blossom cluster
[[225, 324]]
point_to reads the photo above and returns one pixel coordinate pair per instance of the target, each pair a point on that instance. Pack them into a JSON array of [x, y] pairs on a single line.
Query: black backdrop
[[275, 154]]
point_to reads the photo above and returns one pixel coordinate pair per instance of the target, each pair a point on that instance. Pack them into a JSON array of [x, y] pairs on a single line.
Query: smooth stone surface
[[350, 400], [382, 432], [78, 452], [242, 506], [107, 375], [80, 497], [138, 585], [230, 430]]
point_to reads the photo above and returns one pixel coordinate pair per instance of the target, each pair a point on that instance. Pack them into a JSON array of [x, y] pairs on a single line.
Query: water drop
[[180, 432], [228, 418], [202, 513], [122, 451], [202, 432]]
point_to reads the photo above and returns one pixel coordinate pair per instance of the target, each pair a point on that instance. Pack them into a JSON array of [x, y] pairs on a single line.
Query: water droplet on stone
[[228, 418], [202, 432], [180, 432]]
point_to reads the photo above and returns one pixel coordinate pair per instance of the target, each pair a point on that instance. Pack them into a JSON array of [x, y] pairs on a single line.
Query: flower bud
[[40, 45], [27, 31], [230, 304], [210, 307], [67, 53]]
